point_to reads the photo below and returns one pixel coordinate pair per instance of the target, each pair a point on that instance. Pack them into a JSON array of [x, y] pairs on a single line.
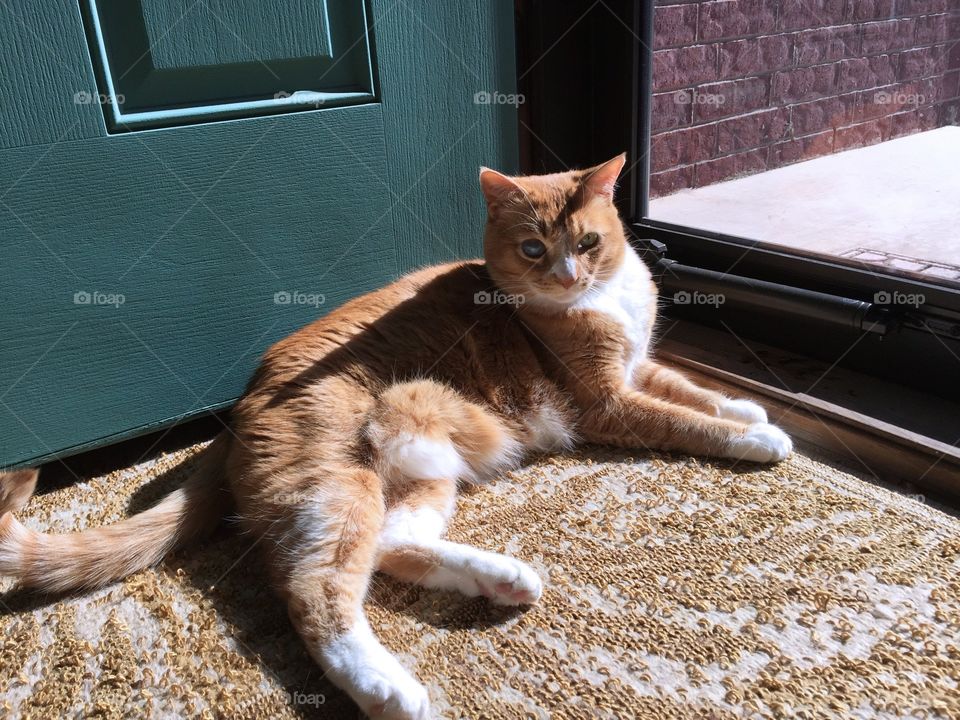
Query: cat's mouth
[[560, 297], [568, 294]]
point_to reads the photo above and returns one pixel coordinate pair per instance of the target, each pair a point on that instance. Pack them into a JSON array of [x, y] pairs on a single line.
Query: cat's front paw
[[760, 442], [742, 411]]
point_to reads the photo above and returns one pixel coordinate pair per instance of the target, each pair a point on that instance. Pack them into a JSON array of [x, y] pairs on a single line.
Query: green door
[[183, 182]]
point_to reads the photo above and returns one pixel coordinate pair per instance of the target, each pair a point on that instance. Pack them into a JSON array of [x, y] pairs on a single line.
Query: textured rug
[[674, 588]]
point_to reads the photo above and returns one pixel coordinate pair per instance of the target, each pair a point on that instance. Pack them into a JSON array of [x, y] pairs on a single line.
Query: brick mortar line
[[939, 44], [784, 141], [795, 103], [792, 34], [787, 68], [698, 5], [790, 104]]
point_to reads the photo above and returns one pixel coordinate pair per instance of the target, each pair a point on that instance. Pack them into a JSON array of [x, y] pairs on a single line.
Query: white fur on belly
[[625, 298]]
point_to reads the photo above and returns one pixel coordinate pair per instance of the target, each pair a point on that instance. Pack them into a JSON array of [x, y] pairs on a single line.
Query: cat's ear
[[602, 180], [496, 186]]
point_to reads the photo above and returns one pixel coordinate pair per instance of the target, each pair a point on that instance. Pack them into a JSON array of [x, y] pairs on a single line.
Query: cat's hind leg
[[425, 430], [426, 437], [412, 550], [326, 555]]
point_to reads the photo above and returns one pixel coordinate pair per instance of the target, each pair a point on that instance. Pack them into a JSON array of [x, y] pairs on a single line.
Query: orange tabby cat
[[345, 452]]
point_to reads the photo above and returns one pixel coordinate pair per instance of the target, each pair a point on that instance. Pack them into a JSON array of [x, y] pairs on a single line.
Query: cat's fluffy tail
[[90, 558]]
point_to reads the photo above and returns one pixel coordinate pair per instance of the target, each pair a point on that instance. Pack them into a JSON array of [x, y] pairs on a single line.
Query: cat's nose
[[565, 271]]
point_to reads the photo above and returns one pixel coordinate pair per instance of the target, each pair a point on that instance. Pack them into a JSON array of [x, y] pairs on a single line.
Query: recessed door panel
[[176, 62], [179, 32]]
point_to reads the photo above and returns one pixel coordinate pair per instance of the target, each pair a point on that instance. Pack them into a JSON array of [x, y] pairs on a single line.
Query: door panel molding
[[285, 30]]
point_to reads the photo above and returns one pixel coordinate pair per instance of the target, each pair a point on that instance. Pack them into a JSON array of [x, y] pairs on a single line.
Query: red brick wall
[[743, 86]]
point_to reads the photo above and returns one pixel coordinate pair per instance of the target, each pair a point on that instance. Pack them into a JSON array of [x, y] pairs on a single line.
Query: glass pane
[[824, 126]]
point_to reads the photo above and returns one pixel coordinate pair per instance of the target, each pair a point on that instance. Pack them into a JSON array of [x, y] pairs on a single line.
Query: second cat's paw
[[743, 411], [760, 442]]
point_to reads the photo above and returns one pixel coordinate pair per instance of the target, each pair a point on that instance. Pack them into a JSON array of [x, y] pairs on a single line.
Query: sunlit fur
[[346, 451], [558, 210]]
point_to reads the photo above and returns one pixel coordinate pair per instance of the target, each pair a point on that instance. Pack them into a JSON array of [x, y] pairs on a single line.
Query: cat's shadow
[[459, 612], [229, 571]]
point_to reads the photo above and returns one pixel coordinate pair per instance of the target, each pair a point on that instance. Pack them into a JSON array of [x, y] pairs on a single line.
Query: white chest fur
[[625, 298]]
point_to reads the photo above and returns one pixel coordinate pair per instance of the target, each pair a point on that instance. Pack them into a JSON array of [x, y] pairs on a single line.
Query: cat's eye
[[533, 248], [588, 241]]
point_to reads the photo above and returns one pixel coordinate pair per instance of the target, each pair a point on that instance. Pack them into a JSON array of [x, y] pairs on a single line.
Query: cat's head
[[551, 238]]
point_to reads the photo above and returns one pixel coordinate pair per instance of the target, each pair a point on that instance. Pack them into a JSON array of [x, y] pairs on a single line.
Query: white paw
[[357, 663], [760, 442], [505, 580], [744, 411], [395, 697]]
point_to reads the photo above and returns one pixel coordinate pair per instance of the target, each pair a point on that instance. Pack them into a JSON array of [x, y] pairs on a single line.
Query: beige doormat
[[674, 588]]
